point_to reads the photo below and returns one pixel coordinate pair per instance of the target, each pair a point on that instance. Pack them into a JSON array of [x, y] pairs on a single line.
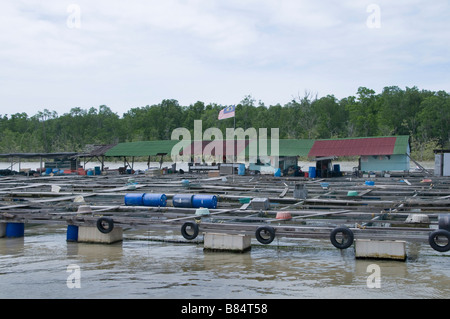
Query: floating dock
[[264, 207]]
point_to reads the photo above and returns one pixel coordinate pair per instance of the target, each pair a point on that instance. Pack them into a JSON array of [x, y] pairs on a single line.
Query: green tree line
[[422, 114]]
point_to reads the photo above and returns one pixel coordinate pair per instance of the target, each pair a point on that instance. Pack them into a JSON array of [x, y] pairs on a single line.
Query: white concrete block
[[2, 230], [417, 218], [93, 235], [380, 249], [227, 242]]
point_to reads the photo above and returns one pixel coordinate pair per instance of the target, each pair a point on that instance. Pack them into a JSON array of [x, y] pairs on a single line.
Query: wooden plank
[[367, 191], [313, 215], [59, 199], [13, 206], [24, 187], [423, 169], [123, 188], [283, 193], [195, 216]]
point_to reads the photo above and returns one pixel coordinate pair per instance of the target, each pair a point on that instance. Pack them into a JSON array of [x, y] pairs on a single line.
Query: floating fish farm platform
[[343, 209]]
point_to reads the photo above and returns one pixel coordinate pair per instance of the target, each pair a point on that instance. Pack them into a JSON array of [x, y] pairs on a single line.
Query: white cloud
[[129, 54]]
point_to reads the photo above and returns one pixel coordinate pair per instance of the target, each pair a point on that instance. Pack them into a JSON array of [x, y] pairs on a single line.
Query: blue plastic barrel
[[72, 233], [48, 171], [277, 172], [15, 229], [205, 201], [97, 170], [134, 199], [89, 173], [312, 172], [154, 200], [241, 169], [182, 200]]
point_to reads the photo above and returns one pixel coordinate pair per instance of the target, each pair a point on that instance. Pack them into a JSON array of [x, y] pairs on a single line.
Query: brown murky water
[[36, 266]]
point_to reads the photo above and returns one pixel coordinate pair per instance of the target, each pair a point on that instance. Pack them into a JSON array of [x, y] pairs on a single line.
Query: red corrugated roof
[[354, 147]]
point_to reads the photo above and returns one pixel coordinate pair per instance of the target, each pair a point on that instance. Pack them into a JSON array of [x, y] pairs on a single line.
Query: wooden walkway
[[378, 211]]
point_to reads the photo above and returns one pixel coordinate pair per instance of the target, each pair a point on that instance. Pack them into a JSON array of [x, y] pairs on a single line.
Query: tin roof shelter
[[141, 149], [388, 145], [93, 151], [57, 156], [381, 153]]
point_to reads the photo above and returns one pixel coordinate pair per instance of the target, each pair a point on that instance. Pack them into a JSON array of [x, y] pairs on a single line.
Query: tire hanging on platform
[[434, 236], [265, 230], [348, 237], [101, 225], [191, 225]]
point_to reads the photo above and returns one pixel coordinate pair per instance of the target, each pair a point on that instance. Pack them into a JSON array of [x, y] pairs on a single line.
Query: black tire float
[[102, 221], [265, 234], [189, 225], [348, 237], [433, 238]]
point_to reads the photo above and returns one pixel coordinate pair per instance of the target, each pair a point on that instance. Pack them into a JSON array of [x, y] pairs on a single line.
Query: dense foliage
[[422, 114]]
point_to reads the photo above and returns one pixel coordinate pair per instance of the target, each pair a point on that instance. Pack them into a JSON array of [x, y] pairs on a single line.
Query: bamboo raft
[[382, 209]]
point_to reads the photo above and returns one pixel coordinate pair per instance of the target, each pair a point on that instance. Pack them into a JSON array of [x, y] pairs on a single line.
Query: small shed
[[381, 153], [442, 162]]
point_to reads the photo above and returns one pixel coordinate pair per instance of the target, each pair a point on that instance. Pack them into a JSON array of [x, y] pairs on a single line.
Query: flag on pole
[[227, 112]]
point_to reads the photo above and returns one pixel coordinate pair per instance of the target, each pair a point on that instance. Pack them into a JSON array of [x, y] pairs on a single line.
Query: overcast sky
[[58, 54]]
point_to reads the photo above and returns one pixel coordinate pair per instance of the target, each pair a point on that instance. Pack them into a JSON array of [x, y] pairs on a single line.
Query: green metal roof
[[402, 145], [286, 147], [143, 148], [291, 147]]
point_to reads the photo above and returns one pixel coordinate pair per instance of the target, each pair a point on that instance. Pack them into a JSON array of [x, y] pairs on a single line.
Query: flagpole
[[234, 145], [223, 114]]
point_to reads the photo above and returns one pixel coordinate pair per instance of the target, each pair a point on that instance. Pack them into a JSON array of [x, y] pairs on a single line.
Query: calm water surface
[[36, 267]]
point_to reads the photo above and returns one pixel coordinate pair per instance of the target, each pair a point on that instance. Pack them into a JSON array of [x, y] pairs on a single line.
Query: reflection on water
[[36, 267]]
